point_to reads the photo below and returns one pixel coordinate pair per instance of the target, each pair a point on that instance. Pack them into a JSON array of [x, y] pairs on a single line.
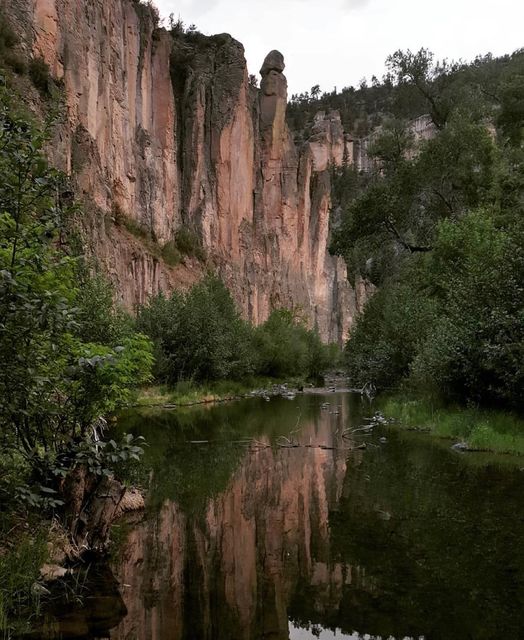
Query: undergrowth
[[481, 429]]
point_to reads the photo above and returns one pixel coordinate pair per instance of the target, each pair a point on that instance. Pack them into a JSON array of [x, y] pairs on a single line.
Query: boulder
[[274, 61]]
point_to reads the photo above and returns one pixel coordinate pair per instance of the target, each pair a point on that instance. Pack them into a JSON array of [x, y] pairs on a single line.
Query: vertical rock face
[[167, 131]]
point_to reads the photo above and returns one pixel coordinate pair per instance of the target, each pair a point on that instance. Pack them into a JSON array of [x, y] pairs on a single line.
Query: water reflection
[[402, 540], [317, 632]]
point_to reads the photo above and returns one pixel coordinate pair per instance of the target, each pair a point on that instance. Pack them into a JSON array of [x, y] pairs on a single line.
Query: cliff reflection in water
[[226, 567], [402, 540]]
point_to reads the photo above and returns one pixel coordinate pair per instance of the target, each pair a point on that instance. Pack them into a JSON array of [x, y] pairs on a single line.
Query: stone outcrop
[[166, 131]]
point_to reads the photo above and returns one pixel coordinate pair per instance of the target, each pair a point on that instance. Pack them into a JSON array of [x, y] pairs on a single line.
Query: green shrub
[[188, 243], [386, 337], [171, 254], [8, 38], [475, 348], [40, 75], [135, 228], [286, 347], [200, 336], [16, 62], [99, 319], [20, 564]]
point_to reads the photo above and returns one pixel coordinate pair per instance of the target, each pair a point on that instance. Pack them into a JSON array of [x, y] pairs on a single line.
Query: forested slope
[[437, 226]]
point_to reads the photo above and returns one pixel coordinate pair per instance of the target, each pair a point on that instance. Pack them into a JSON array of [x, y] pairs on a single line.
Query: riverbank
[[472, 429], [40, 560], [187, 393]]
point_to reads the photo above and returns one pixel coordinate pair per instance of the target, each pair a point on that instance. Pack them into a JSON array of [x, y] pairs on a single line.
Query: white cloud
[[337, 42]]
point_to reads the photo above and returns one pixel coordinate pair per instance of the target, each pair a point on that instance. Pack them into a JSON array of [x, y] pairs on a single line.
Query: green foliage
[[170, 254], [476, 346], [511, 116], [8, 38], [413, 85], [439, 229], [387, 336], [98, 319], [147, 10], [102, 458], [453, 322], [397, 214], [201, 336], [8, 41], [188, 243], [285, 347], [390, 148], [67, 357], [20, 564], [40, 75]]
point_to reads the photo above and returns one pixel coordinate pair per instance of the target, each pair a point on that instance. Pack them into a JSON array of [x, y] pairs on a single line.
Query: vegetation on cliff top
[[365, 107]]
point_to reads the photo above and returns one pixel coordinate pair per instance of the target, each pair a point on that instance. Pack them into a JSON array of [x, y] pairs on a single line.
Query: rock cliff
[[165, 131]]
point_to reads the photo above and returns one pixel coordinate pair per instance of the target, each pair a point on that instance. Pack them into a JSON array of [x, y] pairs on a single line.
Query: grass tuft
[[20, 562], [482, 429]]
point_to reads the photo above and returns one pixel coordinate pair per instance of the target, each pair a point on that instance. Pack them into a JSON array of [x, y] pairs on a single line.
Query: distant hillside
[[363, 108]]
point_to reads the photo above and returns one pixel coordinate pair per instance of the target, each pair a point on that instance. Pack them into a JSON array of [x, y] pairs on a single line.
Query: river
[[248, 536]]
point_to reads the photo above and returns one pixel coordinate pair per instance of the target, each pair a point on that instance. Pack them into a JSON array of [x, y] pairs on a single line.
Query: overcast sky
[[337, 42]]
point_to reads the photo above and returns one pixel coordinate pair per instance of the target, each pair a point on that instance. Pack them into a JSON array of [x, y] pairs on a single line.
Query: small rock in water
[[383, 440]]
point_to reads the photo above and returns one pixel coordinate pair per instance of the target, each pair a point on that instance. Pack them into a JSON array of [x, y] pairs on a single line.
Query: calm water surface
[[405, 539]]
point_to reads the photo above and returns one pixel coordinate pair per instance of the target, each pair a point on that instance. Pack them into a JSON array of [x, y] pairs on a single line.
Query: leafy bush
[[8, 38], [170, 254], [199, 335], [67, 358], [20, 566], [387, 336], [475, 348], [98, 319], [285, 347], [39, 74], [16, 62], [188, 243]]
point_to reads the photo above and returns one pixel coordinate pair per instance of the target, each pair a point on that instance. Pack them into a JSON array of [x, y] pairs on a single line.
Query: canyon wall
[[165, 132]]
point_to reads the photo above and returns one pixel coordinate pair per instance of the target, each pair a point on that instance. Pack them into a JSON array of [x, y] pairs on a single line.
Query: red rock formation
[[167, 131]]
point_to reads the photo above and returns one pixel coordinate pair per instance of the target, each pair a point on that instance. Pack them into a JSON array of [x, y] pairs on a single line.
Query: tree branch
[[410, 247]]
